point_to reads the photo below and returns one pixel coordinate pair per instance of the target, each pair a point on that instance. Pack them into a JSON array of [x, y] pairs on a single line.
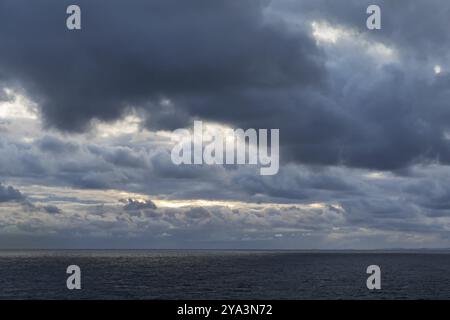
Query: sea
[[225, 274]]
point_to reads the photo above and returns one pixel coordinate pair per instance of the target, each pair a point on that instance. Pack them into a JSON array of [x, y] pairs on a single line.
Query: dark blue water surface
[[223, 275]]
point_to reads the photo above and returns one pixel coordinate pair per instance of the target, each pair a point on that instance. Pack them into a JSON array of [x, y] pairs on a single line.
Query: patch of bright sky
[[327, 34], [17, 106], [130, 124], [377, 175], [60, 195]]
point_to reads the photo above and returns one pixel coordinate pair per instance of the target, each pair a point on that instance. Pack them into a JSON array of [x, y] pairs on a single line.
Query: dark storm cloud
[[228, 61], [8, 193], [135, 53]]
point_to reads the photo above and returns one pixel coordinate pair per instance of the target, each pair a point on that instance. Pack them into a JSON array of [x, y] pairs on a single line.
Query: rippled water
[[222, 275]]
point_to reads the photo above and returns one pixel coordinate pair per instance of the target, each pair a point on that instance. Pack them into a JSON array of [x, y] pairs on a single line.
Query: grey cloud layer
[[412, 209]]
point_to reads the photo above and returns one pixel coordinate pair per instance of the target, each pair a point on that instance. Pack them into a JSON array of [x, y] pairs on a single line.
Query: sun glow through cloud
[[437, 69]]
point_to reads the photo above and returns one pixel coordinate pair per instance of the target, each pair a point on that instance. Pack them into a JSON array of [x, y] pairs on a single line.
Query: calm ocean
[[223, 275]]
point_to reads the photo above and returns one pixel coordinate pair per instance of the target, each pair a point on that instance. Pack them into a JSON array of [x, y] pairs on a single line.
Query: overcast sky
[[87, 117]]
